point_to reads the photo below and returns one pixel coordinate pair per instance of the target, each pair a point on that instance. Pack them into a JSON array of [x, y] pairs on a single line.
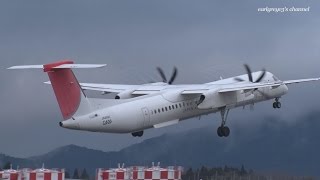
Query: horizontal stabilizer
[[79, 66], [27, 67], [63, 66]]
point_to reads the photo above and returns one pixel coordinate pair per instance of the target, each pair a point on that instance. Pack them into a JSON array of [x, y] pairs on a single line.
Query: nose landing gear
[[276, 104], [223, 131]]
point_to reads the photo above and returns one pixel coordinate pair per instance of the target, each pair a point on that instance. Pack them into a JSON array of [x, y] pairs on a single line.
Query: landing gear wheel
[[137, 134], [278, 104], [219, 131], [226, 131], [223, 131]]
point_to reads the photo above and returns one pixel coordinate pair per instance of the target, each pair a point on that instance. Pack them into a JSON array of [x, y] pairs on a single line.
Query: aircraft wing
[[248, 86], [222, 88], [145, 89], [117, 88], [300, 80], [108, 88], [244, 86]]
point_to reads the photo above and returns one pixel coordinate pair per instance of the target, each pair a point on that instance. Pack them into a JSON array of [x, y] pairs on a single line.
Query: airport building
[[42, 174], [30, 174], [140, 173], [9, 174]]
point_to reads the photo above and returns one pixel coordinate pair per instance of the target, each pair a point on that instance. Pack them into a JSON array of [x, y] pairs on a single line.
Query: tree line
[[216, 172]]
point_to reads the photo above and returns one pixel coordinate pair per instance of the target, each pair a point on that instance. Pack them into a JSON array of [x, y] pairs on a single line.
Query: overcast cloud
[[205, 39]]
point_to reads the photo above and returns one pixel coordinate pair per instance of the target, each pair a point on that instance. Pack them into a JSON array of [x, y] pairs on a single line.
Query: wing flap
[[193, 91], [144, 92], [248, 86]]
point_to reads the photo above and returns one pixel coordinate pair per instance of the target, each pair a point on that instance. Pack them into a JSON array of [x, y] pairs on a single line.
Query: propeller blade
[[238, 79], [174, 75], [164, 79], [248, 72], [261, 75]]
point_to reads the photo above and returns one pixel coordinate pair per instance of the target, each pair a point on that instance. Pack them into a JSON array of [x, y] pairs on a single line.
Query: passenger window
[[177, 106], [155, 111], [166, 108], [162, 109], [180, 105], [172, 106], [184, 104], [169, 107], [158, 110]]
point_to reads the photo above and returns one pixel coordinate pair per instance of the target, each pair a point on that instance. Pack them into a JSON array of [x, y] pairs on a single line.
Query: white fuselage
[[166, 108]]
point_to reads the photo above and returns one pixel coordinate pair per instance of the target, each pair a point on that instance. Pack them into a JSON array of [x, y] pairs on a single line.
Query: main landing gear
[[276, 104], [223, 131], [137, 134]]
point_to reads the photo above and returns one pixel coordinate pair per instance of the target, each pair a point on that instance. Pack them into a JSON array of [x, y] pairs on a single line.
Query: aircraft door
[[146, 116]]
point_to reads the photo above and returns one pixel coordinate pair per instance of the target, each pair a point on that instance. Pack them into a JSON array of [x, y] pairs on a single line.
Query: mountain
[[16, 161], [275, 145]]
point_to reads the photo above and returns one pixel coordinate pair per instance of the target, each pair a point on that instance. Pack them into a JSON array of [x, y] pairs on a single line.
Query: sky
[[204, 39]]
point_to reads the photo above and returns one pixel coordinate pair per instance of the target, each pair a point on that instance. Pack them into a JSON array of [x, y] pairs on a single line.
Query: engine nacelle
[[125, 95], [213, 99]]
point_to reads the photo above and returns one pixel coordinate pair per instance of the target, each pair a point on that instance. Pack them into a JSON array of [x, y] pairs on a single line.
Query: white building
[[9, 174], [140, 173], [29, 174], [42, 174]]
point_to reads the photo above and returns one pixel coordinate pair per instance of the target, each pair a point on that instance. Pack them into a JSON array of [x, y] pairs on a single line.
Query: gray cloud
[[205, 39]]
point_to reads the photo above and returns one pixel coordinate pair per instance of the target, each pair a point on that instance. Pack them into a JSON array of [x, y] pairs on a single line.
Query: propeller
[[163, 76], [249, 72], [259, 79]]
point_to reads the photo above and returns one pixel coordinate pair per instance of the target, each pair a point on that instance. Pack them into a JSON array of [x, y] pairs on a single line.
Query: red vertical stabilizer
[[66, 88]]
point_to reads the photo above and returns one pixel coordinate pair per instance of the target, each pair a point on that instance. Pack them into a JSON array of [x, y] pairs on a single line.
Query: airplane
[[155, 105]]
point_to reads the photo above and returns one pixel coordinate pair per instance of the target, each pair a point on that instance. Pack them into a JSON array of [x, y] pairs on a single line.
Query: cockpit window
[[275, 78]]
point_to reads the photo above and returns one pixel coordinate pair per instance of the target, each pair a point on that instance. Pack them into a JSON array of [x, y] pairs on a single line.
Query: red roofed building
[[140, 173], [29, 174], [42, 174], [9, 174]]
